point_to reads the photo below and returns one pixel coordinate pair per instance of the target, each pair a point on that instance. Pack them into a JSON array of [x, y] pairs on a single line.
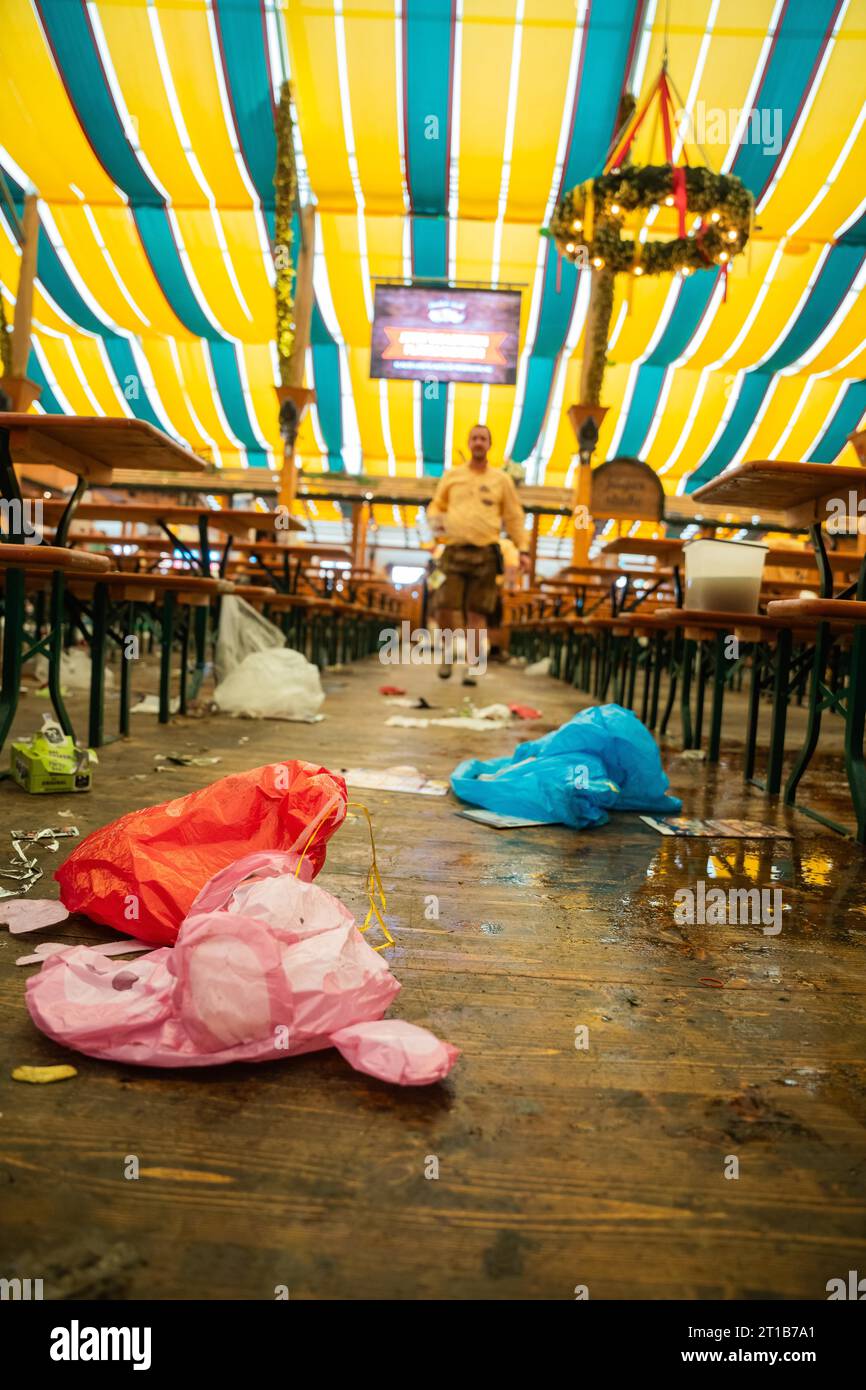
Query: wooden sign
[[626, 490]]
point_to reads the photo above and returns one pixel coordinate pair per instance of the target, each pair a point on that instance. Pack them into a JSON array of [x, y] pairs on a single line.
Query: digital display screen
[[424, 333]]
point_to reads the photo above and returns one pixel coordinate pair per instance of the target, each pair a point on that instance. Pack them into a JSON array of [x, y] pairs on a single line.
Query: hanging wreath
[[286, 186], [587, 224]]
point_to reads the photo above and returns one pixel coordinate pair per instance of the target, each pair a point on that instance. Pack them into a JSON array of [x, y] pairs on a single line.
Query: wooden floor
[[558, 1167]]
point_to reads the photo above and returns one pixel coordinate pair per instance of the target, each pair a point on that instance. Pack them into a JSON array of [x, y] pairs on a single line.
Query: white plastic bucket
[[724, 576]]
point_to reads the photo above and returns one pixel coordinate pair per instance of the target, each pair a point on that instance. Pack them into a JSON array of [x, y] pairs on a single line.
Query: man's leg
[[449, 621], [476, 640]]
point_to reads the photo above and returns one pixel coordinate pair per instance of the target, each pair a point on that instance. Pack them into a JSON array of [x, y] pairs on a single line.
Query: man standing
[[468, 512]]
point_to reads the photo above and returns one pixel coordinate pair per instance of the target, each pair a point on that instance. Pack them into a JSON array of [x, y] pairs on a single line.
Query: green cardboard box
[[51, 761]]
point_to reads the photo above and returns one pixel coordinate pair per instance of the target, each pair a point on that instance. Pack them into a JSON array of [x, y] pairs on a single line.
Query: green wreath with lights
[[588, 220]]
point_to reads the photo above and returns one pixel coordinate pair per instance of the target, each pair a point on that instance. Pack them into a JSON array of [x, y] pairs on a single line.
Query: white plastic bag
[[275, 684], [74, 670], [242, 631]]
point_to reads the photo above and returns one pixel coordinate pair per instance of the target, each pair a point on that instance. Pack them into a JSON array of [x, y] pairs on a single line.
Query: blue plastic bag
[[604, 759]]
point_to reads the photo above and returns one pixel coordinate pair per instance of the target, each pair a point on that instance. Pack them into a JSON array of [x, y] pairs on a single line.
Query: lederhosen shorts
[[470, 579]]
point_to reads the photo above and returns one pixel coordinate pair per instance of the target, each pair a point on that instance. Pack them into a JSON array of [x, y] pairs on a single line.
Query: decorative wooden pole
[[20, 390]]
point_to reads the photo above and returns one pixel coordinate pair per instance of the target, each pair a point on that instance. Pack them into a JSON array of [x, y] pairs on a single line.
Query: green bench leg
[[687, 667], [720, 676]]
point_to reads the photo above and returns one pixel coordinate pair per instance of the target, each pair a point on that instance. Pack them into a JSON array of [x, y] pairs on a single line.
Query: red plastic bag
[[141, 873]]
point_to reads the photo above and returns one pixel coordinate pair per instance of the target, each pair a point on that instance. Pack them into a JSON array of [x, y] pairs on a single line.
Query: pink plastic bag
[[265, 966]]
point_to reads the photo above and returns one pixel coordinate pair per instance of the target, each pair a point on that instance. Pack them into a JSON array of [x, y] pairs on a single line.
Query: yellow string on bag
[[375, 889]]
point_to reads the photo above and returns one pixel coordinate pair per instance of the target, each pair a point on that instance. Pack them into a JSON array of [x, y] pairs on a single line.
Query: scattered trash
[[242, 741], [411, 702], [276, 684], [24, 914], [42, 1076], [24, 870], [539, 668], [51, 761], [498, 712], [149, 704], [242, 631], [134, 862], [525, 711], [259, 945], [402, 721], [711, 982], [394, 779], [692, 755], [108, 948], [391, 690], [692, 826], [602, 759], [183, 760], [499, 822], [491, 928], [66, 813]]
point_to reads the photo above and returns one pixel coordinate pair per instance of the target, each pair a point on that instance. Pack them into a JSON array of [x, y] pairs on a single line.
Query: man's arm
[[513, 518], [437, 509]]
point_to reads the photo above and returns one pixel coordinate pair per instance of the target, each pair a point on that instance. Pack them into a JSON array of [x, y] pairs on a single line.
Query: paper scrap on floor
[[718, 829], [394, 779], [498, 821]]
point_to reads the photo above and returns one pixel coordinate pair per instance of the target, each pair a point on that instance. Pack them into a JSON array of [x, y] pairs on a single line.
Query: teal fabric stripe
[[429, 34], [69, 33], [846, 418], [47, 398], [70, 36], [805, 29], [241, 30], [227, 375], [641, 411], [326, 370], [607, 48], [802, 36], [751, 395], [161, 250], [835, 280], [133, 388]]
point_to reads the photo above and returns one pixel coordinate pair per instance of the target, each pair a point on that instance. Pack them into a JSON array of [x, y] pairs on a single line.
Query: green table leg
[[184, 659], [55, 652], [126, 672], [720, 676], [686, 669], [855, 720], [13, 636], [813, 726], [779, 720], [168, 612], [99, 627]]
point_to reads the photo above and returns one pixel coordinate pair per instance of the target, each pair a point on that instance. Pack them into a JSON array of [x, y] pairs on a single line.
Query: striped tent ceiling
[[435, 137]]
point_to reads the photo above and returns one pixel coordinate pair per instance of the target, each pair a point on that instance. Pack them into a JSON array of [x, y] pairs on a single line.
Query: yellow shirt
[[475, 506]]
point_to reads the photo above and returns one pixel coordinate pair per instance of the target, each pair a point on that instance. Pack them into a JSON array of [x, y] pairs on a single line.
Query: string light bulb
[[669, 202], [732, 235], [715, 216], [723, 257], [576, 225], [638, 270], [615, 209], [598, 262]]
